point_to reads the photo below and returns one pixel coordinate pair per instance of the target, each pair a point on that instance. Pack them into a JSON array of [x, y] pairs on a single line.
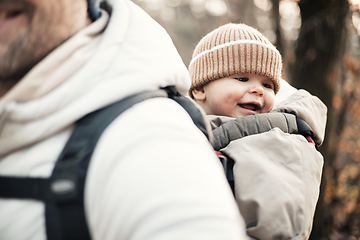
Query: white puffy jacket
[[153, 174]]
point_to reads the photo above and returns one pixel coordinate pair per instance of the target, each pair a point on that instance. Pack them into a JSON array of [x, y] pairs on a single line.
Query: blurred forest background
[[320, 44]]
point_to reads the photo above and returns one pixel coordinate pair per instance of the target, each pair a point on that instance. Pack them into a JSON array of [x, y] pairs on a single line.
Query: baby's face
[[238, 95]]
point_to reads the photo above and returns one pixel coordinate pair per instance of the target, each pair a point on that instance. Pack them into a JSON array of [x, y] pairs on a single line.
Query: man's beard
[[17, 60]]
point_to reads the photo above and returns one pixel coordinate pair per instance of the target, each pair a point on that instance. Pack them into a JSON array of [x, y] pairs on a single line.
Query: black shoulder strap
[[63, 192], [189, 106], [71, 168]]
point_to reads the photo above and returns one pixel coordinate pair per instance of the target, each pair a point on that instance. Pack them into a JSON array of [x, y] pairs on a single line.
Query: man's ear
[[199, 93]]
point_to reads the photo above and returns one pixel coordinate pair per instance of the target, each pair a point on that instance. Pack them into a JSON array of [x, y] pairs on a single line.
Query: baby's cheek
[[269, 101], [232, 98], [230, 103], [221, 108], [267, 107]]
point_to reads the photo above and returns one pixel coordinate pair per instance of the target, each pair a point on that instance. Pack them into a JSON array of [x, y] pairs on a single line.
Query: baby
[[236, 73], [247, 69]]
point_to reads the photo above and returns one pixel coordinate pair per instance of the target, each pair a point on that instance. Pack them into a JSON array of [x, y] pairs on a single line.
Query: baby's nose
[[258, 89]]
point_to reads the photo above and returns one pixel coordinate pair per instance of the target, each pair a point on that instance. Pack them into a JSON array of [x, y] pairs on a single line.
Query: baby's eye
[[268, 85], [242, 79]]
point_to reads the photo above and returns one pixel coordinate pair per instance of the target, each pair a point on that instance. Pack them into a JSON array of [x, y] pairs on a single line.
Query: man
[[153, 174]]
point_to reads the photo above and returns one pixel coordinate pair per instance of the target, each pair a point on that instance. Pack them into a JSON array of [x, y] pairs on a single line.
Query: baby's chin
[[238, 115], [243, 112]]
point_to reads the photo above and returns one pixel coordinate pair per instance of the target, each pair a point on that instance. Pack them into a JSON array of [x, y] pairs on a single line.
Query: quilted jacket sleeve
[[308, 108]]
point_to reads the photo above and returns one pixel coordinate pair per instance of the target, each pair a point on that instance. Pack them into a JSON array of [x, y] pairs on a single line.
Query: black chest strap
[[63, 192]]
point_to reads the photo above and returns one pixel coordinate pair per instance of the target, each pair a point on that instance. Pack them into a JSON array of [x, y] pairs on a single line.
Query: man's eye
[[242, 79]]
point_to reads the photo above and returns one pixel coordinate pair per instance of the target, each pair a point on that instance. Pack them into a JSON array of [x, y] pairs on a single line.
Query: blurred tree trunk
[[318, 69], [279, 40]]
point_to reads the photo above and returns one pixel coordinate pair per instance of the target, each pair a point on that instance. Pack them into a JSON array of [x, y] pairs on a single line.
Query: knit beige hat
[[233, 49]]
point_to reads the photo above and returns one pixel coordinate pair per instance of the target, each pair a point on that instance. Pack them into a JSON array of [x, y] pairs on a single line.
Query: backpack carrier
[[63, 192]]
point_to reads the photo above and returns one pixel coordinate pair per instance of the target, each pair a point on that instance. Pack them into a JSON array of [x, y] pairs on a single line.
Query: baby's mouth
[[250, 106]]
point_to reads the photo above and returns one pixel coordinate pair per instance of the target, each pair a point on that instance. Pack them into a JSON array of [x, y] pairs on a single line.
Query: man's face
[[30, 29]]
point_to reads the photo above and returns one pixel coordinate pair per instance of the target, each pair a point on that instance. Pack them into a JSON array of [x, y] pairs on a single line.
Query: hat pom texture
[[234, 49]]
